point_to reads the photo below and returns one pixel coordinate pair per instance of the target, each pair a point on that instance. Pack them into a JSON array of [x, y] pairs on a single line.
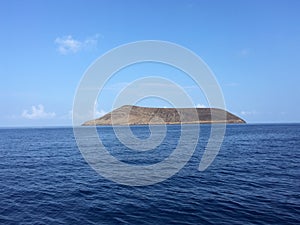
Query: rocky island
[[136, 115]]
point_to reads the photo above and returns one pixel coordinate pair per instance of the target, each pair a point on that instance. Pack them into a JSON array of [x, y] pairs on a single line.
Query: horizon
[[203, 124], [253, 49]]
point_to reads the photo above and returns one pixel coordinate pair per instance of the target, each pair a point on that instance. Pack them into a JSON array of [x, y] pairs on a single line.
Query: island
[[137, 115]]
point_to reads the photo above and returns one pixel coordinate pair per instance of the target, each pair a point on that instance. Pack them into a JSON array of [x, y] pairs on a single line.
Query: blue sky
[[253, 48]]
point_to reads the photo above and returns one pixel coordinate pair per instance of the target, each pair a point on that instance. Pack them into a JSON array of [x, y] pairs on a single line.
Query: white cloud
[[37, 112], [248, 113], [70, 114], [99, 113], [200, 106], [68, 44]]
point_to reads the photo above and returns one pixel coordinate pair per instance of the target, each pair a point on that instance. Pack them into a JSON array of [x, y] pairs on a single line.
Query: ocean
[[255, 179]]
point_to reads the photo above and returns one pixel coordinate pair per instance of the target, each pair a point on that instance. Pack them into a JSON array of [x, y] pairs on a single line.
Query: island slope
[[136, 115]]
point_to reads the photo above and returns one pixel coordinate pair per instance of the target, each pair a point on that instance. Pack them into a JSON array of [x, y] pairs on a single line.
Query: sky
[[252, 47]]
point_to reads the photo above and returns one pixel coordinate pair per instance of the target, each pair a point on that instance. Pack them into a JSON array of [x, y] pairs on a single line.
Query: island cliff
[[136, 115]]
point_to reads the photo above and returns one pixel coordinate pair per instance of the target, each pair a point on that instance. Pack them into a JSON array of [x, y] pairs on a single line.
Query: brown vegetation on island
[[136, 115]]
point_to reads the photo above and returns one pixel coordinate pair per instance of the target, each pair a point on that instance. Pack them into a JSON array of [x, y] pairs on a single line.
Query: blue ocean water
[[255, 179]]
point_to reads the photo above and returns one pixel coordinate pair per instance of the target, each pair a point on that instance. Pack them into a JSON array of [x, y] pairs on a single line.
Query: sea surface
[[255, 179]]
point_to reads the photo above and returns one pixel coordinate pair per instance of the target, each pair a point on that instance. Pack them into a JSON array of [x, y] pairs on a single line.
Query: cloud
[[200, 106], [37, 112], [99, 113], [69, 45], [248, 113]]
